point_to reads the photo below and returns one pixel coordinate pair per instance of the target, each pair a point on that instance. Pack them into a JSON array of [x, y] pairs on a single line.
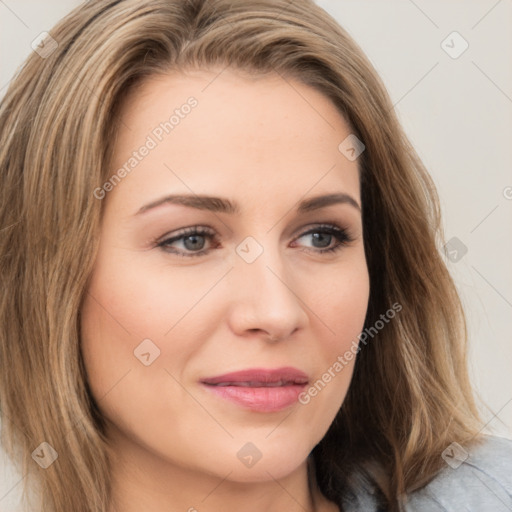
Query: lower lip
[[263, 399]]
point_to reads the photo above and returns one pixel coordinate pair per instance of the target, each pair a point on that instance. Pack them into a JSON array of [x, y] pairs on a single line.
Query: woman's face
[[185, 291]]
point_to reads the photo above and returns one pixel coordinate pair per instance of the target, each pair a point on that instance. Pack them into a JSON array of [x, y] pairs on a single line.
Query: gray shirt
[[474, 480]]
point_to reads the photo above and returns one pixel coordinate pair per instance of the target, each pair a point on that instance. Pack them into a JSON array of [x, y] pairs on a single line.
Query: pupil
[[194, 244], [319, 236]]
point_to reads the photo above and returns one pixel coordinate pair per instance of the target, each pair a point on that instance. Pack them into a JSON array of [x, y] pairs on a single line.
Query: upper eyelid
[[207, 230], [213, 235], [202, 230]]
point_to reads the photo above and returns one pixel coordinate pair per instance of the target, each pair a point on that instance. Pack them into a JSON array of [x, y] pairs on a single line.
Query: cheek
[[134, 297], [341, 309], [122, 308], [129, 302], [342, 305], [125, 352]]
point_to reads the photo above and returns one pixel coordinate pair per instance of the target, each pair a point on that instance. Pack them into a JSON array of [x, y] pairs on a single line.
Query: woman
[[222, 288]]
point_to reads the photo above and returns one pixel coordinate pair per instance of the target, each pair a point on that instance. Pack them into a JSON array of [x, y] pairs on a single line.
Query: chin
[[274, 468], [260, 460]]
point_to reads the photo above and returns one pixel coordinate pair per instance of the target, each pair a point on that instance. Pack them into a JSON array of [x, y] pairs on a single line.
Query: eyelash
[[340, 234]]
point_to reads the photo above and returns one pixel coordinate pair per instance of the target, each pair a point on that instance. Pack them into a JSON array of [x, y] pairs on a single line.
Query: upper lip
[[260, 377]]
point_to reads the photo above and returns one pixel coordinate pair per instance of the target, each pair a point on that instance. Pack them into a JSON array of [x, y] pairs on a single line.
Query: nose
[[265, 300]]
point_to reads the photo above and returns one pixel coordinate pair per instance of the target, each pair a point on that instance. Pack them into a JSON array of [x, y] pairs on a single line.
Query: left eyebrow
[[223, 205], [317, 202]]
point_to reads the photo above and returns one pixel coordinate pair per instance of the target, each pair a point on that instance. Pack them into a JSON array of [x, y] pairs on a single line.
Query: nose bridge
[[266, 298]]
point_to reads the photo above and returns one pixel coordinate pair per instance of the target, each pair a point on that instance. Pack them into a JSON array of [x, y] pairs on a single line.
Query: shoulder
[[475, 478]]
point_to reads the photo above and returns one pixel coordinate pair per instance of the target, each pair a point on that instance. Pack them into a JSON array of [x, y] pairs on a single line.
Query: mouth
[[260, 377], [259, 384], [260, 390]]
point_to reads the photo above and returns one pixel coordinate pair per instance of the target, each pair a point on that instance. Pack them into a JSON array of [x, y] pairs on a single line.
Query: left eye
[[193, 240], [323, 235]]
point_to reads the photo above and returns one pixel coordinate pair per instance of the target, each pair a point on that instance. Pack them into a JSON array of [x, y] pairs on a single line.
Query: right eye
[[192, 241]]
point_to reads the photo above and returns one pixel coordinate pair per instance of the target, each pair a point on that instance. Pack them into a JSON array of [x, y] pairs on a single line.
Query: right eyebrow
[[213, 204]]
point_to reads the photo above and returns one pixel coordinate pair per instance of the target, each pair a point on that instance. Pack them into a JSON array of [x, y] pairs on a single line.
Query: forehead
[[243, 135]]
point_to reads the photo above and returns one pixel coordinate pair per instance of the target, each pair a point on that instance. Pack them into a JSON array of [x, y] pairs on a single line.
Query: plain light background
[[458, 114]]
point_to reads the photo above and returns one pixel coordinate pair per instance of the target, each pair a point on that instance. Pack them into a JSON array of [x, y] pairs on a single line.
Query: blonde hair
[[410, 395]]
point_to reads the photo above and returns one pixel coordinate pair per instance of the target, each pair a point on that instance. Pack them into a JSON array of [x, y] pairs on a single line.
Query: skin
[[265, 143]]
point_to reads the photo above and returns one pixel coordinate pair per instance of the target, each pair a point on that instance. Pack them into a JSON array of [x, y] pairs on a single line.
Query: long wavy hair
[[410, 394]]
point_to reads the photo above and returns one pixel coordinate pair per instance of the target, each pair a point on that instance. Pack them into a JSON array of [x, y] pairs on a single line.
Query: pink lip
[[259, 389]]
